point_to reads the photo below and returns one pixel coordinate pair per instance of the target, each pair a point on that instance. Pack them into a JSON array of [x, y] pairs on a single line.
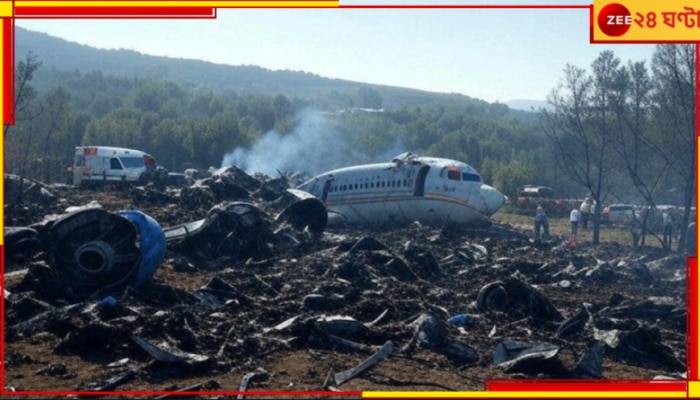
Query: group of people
[[582, 215]]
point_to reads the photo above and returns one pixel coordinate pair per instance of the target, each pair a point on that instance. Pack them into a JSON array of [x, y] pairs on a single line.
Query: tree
[[24, 92], [24, 110], [636, 145], [508, 178], [673, 68], [581, 126], [55, 105]]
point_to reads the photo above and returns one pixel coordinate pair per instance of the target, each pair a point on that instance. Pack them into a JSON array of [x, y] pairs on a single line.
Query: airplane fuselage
[[409, 188]]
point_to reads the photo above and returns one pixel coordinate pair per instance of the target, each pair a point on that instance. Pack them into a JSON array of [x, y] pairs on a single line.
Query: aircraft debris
[[168, 354], [516, 298], [19, 191], [259, 374], [109, 383], [590, 365], [95, 249], [344, 376], [250, 290], [531, 358]]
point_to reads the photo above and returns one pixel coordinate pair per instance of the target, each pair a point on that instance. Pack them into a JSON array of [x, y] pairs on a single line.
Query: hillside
[[59, 56]]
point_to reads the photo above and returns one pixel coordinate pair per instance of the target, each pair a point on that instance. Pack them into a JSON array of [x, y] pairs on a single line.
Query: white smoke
[[396, 148], [313, 147]]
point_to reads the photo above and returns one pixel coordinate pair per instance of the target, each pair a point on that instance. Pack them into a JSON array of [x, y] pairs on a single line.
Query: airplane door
[[419, 188], [326, 189]]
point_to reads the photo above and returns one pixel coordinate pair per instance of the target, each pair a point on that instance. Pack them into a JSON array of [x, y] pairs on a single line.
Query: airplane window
[[383, 183], [466, 176], [356, 186], [371, 185]]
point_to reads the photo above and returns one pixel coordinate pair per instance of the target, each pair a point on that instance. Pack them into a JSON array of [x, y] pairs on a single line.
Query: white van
[[93, 164]]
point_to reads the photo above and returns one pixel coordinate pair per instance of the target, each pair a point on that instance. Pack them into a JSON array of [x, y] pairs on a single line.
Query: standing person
[[585, 212], [574, 217], [668, 229], [541, 223], [690, 238]]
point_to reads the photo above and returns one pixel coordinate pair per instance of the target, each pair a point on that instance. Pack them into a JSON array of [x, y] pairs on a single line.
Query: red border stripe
[[8, 79], [131, 12]]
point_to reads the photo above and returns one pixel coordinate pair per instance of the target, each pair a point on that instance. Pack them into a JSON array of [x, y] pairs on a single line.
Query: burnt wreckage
[[258, 273]]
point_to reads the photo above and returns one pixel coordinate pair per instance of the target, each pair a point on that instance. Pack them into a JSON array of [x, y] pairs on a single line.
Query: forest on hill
[[623, 132]]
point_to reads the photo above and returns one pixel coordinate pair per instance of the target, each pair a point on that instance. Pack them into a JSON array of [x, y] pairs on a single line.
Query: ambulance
[[102, 164]]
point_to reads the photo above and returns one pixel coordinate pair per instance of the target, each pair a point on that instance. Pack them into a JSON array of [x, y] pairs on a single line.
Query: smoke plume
[[314, 146]]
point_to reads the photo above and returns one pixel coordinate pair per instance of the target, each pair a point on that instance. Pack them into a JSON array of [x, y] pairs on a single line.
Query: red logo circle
[[614, 19]]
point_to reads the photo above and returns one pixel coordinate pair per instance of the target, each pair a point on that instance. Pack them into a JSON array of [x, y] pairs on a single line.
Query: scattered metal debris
[[235, 287], [344, 376], [168, 354], [259, 374]]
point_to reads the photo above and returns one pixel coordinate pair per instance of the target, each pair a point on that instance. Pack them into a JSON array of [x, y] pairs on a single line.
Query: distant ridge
[[528, 105], [61, 56]]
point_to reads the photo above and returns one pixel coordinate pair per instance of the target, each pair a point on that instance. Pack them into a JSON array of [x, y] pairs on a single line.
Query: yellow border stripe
[[6, 9]]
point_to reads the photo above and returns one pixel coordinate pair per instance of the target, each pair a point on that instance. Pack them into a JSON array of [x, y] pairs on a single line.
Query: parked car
[[619, 214]]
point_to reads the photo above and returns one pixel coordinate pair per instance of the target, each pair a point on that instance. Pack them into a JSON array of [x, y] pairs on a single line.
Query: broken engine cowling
[[304, 211], [95, 249]]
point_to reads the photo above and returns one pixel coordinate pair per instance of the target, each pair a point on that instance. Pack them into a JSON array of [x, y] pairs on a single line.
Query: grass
[[562, 227]]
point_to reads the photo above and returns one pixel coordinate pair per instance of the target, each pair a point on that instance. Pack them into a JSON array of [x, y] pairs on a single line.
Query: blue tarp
[[151, 242]]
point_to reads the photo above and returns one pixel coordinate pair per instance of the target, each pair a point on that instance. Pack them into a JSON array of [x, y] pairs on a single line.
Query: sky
[[489, 54]]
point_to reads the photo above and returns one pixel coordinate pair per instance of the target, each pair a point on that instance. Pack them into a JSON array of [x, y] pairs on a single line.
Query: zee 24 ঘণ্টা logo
[[670, 20]]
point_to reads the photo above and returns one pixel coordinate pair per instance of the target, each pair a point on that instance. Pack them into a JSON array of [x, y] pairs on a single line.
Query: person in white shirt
[[585, 212], [574, 218], [668, 229]]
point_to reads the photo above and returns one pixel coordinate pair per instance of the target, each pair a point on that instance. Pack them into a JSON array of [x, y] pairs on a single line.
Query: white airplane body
[[409, 188]]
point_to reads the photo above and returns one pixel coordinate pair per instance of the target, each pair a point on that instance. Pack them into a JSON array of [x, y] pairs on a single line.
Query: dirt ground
[[399, 275]]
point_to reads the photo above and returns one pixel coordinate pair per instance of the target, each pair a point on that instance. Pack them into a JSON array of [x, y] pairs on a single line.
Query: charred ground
[[271, 315]]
